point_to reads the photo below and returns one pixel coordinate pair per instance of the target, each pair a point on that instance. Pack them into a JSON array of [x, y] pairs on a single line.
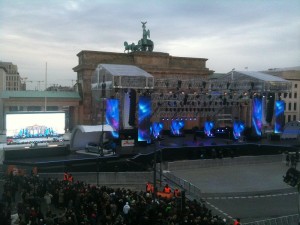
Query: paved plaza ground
[[251, 192]]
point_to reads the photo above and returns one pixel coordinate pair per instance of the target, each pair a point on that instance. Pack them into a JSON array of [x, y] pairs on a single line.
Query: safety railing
[[206, 163], [188, 187], [284, 220]]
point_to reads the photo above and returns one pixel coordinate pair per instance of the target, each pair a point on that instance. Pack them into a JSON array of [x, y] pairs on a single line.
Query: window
[[290, 95], [295, 106], [296, 85], [295, 95], [52, 108], [290, 106], [294, 117], [13, 108], [289, 118], [34, 108]]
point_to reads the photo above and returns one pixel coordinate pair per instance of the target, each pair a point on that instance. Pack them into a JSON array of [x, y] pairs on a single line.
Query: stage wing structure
[[85, 134], [251, 81]]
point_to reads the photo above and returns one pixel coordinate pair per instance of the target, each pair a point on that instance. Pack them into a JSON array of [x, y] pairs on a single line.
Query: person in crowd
[[176, 192], [95, 205], [167, 189], [237, 222], [149, 187], [48, 197]]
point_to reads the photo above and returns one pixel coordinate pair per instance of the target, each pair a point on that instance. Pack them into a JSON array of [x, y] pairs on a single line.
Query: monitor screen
[[35, 125]]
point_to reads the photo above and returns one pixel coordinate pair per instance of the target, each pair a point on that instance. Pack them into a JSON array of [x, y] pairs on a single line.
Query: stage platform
[[140, 156]]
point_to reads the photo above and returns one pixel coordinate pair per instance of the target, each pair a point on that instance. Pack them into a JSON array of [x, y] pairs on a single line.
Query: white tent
[[84, 134]]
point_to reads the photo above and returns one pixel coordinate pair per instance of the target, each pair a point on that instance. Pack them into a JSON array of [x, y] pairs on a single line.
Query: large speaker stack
[[270, 107], [132, 107]]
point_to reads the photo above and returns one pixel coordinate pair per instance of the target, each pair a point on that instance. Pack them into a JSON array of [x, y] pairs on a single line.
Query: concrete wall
[[132, 180]]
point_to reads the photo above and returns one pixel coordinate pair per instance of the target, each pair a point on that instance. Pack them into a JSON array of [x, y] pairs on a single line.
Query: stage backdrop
[[144, 114], [257, 115], [279, 116], [112, 115]]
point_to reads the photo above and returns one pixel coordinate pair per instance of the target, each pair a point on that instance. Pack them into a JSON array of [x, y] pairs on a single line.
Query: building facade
[[292, 98], [40, 101], [10, 78], [161, 66]]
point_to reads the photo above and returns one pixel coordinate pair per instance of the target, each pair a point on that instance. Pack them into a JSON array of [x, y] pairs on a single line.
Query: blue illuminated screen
[[279, 116], [144, 114], [238, 129], [157, 128], [208, 128], [177, 127], [257, 115], [112, 115]]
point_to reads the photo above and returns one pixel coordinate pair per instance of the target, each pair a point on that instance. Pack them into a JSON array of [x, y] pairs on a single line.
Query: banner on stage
[[127, 143]]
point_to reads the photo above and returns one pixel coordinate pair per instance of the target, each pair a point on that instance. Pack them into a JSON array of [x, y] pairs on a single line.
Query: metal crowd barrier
[[284, 220], [188, 187], [136, 180], [205, 163]]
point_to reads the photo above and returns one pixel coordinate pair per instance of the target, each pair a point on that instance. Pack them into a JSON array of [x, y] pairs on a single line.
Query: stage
[[139, 157]]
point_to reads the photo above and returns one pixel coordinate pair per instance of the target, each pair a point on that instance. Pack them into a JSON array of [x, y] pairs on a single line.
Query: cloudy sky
[[258, 34]]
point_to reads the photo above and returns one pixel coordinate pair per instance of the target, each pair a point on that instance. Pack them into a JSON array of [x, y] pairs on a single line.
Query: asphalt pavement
[[250, 192]]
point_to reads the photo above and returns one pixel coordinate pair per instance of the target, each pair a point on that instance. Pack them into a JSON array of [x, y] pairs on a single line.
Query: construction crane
[[24, 81], [39, 84]]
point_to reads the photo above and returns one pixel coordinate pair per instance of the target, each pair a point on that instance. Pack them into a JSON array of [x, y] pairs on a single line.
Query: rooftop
[[39, 94]]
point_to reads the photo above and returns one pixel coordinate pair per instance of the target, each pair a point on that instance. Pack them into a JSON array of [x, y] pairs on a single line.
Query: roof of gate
[[125, 70]]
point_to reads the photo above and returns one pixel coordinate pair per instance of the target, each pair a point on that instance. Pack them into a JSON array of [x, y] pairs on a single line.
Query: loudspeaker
[[132, 107], [270, 107]]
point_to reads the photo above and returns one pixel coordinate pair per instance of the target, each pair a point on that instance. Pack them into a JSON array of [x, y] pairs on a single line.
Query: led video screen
[[35, 125], [208, 128], [144, 114], [238, 129], [177, 127], [257, 115], [156, 129], [279, 116], [112, 115]]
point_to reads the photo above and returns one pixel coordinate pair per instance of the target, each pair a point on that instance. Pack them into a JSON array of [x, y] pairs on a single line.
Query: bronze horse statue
[[131, 47], [144, 44]]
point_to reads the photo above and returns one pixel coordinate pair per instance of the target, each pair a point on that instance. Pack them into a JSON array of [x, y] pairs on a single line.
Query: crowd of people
[[37, 201]]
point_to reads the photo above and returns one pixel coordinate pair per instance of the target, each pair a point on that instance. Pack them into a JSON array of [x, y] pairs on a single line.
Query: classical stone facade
[[292, 99], [160, 65]]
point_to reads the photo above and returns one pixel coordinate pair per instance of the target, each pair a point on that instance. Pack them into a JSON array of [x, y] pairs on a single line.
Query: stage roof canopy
[[121, 76], [251, 81]]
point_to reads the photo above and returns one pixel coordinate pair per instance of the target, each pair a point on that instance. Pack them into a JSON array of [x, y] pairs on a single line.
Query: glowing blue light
[[177, 127], [157, 128], [257, 115], [279, 116], [112, 115], [144, 133], [238, 128], [208, 126]]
